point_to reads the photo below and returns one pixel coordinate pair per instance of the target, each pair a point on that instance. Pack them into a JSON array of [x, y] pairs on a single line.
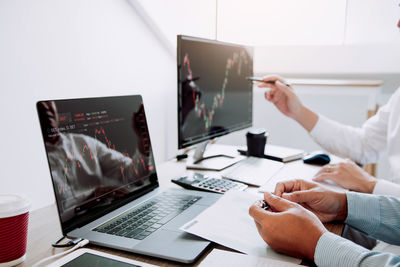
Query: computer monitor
[[214, 96]]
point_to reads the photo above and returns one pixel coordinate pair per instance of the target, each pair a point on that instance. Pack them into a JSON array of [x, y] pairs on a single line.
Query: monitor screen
[[99, 154], [214, 96]]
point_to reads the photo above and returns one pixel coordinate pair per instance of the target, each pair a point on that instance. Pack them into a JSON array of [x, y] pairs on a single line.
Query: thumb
[[277, 203], [323, 177], [300, 196]]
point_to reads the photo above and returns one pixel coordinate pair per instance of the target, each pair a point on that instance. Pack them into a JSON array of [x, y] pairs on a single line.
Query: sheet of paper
[[290, 171], [228, 223], [298, 170], [219, 257]]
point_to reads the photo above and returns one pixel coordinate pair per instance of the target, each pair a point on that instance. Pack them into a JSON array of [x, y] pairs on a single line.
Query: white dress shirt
[[379, 134]]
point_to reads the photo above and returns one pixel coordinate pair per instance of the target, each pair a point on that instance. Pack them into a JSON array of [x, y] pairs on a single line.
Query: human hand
[[287, 102], [288, 227], [348, 175], [281, 96], [328, 205]]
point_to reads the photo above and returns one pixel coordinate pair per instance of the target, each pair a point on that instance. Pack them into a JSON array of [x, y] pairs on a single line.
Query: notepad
[[228, 223], [279, 153]]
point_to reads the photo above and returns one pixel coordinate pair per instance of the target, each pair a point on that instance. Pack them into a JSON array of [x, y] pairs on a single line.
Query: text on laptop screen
[[99, 153]]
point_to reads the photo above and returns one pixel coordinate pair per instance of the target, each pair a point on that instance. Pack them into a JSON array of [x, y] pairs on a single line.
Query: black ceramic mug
[[256, 140]]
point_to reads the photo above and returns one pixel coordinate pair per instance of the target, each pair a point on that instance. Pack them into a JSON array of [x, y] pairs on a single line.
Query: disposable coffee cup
[[14, 214], [256, 140]]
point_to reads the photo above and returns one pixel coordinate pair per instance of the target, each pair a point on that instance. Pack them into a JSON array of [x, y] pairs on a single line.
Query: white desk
[[44, 226]]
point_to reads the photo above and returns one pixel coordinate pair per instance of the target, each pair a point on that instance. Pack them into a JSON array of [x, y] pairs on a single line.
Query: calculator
[[198, 181]]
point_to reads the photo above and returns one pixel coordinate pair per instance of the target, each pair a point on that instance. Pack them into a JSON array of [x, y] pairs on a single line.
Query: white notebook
[[284, 154], [279, 153]]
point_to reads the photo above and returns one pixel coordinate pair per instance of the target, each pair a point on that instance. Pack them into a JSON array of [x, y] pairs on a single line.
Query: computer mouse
[[317, 158]]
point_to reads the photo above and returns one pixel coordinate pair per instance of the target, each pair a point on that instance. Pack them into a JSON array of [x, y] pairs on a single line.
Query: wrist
[[306, 118], [342, 208], [369, 186], [318, 236]]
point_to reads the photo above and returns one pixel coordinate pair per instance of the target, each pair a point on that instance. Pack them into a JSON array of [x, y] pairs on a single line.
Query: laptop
[[105, 180]]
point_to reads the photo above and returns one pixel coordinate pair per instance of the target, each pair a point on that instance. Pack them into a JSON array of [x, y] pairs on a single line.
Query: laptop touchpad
[[184, 217], [172, 244]]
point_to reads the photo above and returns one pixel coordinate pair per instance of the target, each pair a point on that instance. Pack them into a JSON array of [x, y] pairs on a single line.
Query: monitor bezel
[[182, 144]]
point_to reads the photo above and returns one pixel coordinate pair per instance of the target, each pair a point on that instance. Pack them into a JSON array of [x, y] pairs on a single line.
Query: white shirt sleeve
[[384, 187], [363, 145]]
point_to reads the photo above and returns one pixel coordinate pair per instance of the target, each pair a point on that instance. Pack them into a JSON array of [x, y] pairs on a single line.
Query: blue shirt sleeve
[[377, 216], [333, 250]]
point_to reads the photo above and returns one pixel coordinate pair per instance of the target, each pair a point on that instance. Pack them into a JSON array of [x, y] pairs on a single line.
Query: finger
[[328, 168], [273, 78], [305, 196], [319, 172], [269, 95], [258, 213], [258, 225], [283, 187], [276, 98], [266, 85], [293, 185], [277, 203], [325, 176]]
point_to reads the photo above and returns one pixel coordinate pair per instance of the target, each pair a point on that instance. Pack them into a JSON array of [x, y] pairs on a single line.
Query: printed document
[[228, 223]]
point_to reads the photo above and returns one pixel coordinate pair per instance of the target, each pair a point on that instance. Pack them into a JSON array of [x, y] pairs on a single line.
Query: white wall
[[358, 58], [182, 17], [372, 22], [67, 49], [283, 22]]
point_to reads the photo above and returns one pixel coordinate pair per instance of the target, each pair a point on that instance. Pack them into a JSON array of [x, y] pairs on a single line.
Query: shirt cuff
[[321, 127], [384, 187], [333, 250], [363, 212]]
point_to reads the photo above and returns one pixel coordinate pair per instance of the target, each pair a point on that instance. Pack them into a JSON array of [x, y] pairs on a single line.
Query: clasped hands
[[293, 224]]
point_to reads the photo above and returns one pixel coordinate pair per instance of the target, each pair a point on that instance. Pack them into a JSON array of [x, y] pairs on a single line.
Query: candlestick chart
[[206, 111], [87, 155]]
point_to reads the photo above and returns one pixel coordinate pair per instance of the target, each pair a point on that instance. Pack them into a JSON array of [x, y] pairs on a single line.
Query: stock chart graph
[[87, 152], [236, 60], [214, 94]]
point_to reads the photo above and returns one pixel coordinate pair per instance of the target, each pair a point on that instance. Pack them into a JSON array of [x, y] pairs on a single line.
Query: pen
[[264, 205], [259, 79]]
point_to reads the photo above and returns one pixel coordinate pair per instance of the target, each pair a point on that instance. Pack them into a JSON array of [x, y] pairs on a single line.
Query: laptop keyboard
[[143, 220]]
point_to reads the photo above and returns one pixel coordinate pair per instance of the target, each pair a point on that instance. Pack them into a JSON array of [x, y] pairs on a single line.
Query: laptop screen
[[99, 153]]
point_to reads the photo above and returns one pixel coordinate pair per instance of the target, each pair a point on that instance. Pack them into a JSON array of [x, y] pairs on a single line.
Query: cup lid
[[13, 204], [257, 131]]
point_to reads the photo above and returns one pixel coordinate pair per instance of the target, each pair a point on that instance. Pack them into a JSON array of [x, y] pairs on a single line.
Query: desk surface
[[44, 227]]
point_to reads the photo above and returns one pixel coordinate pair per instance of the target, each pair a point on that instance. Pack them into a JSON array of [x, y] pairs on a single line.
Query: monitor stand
[[211, 161]]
